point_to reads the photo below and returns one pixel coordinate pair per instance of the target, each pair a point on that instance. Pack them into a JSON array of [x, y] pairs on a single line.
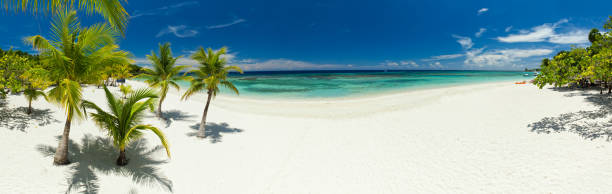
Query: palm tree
[[211, 73], [111, 10], [74, 54], [123, 72], [164, 73], [125, 90], [32, 94], [123, 119]]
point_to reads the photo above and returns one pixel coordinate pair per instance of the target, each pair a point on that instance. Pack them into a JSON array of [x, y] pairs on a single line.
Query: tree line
[[581, 67]]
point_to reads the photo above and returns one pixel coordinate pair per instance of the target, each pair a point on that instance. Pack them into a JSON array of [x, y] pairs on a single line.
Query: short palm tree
[[211, 73], [122, 121], [164, 73], [111, 10], [32, 94], [125, 90], [74, 54]]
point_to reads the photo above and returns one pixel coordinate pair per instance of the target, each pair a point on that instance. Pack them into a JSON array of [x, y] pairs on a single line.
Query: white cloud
[[574, 37], [162, 10], [500, 58], [288, 64], [436, 65], [390, 63], [482, 10], [465, 42], [443, 57], [508, 29], [236, 21], [180, 31], [546, 33], [480, 32], [411, 63]]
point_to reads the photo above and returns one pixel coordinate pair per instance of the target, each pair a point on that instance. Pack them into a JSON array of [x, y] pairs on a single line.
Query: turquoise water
[[329, 84]]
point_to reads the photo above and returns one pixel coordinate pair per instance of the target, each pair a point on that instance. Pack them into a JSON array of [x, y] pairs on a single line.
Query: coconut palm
[[74, 53], [122, 121], [111, 10], [125, 90], [123, 72], [211, 73], [164, 73], [32, 94]]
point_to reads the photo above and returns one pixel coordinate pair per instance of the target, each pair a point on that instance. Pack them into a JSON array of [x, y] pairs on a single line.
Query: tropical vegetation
[[164, 73], [581, 67], [74, 53], [111, 10], [209, 75], [122, 121]]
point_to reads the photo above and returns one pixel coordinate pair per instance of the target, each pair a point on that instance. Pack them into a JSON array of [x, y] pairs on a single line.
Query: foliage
[[211, 73], [581, 66], [122, 121], [164, 74], [125, 90], [111, 10], [12, 67]]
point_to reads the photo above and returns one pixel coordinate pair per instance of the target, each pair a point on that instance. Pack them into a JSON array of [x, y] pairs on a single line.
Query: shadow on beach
[[18, 119], [168, 117], [214, 131], [97, 155], [590, 125]]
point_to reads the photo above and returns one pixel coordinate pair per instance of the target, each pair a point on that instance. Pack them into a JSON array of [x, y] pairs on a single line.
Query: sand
[[463, 139]]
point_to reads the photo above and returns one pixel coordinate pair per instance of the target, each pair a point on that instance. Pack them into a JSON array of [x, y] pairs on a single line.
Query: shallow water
[[326, 84]]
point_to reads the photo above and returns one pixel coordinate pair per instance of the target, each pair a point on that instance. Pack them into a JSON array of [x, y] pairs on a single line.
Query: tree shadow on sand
[[214, 131], [168, 117], [97, 155], [588, 124], [18, 119]]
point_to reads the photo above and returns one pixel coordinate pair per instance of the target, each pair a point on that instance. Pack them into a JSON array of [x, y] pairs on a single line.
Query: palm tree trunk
[[29, 107], [202, 131], [61, 154], [159, 110], [122, 160]]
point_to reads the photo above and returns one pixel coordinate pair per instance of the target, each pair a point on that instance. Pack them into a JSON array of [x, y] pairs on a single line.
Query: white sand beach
[[464, 139]]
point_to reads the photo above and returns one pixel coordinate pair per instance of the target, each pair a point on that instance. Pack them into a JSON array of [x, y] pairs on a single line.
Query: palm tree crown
[[211, 73], [123, 119], [111, 10]]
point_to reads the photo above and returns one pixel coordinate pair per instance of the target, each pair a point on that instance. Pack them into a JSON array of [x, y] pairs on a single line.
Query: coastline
[[472, 139]]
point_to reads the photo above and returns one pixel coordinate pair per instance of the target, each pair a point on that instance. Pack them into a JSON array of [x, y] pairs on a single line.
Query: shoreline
[[466, 139]]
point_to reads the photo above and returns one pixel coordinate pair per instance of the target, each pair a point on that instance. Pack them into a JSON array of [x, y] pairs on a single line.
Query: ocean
[[332, 84]]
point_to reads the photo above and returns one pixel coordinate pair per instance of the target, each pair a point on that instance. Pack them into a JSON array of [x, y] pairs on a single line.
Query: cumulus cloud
[[480, 32], [482, 11], [236, 21], [465, 42], [436, 65], [165, 10], [180, 31], [500, 58], [547, 33]]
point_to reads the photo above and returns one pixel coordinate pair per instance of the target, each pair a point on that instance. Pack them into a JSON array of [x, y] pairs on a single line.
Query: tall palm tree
[[164, 73], [123, 119], [74, 53], [111, 10], [32, 94], [211, 73]]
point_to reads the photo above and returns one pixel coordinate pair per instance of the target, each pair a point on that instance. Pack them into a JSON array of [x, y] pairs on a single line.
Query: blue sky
[[382, 34]]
